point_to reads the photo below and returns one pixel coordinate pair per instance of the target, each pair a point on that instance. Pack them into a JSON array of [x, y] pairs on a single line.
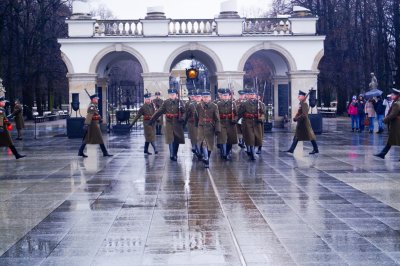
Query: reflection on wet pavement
[[340, 207]]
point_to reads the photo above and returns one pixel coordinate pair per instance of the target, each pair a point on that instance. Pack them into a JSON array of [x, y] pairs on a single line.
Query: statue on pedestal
[[374, 82], [2, 89]]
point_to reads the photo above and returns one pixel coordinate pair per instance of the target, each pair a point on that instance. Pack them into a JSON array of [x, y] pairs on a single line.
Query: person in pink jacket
[[352, 110]]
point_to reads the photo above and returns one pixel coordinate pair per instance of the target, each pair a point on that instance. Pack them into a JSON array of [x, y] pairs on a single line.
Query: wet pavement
[[340, 207]]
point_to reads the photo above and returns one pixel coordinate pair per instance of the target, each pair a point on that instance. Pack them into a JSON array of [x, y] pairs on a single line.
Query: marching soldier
[[5, 137], [228, 116], [242, 99], [253, 116], [190, 120], [393, 122], [147, 110], [263, 107], [174, 111], [92, 128], [157, 103], [304, 131], [208, 122], [18, 118]]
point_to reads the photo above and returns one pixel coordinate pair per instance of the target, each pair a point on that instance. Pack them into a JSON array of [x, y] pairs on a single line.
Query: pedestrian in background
[[380, 113], [370, 113], [361, 112], [352, 110]]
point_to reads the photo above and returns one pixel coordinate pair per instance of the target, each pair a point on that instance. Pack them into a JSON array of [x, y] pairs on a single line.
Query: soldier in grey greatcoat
[[393, 122], [208, 125], [190, 121], [242, 99], [91, 128], [304, 131], [5, 137], [174, 110], [18, 118], [252, 114], [157, 101], [228, 117], [147, 110]]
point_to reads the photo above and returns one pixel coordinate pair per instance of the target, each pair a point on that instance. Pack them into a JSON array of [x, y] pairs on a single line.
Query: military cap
[[157, 93], [172, 90], [94, 96], [302, 93], [147, 95], [241, 92], [224, 91], [395, 91], [205, 93], [251, 91], [2, 99], [190, 93], [197, 93]]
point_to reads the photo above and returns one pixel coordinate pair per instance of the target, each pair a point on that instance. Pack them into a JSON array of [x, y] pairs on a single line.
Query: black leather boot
[[315, 147], [383, 153], [293, 146], [146, 148], [252, 156], [259, 150], [104, 150], [80, 153], [15, 152], [154, 147]]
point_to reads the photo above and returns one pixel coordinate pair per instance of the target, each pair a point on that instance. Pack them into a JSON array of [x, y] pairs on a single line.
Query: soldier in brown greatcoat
[[157, 103], [253, 116], [208, 122], [174, 110], [304, 131], [5, 138], [18, 118], [263, 107], [242, 99], [190, 117], [228, 117], [147, 110], [393, 121], [91, 128]]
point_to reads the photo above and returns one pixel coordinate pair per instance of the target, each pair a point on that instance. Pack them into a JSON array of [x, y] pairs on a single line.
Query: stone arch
[[118, 48], [68, 63], [317, 60], [193, 47], [286, 56]]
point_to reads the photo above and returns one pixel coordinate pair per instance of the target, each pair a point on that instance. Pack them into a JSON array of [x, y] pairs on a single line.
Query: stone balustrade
[[129, 28], [251, 26], [192, 27], [274, 26]]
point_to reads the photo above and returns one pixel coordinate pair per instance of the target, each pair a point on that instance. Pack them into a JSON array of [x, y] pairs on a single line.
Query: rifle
[[179, 101], [86, 131], [232, 107]]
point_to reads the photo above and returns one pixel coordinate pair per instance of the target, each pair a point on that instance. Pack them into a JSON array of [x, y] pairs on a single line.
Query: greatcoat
[[174, 119]]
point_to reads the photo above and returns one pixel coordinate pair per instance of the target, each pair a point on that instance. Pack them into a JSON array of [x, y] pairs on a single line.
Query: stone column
[[77, 83], [102, 83], [301, 80], [156, 81], [235, 78]]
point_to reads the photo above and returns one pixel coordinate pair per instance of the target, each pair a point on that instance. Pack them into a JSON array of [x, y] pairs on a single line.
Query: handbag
[[366, 122]]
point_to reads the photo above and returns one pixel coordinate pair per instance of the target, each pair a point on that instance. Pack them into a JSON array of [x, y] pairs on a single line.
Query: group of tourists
[[364, 112]]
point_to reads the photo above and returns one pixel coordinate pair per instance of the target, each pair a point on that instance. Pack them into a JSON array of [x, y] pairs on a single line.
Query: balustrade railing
[[251, 26], [273, 26], [118, 28], [192, 27]]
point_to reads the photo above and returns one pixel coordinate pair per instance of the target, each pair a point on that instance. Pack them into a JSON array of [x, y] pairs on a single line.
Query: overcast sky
[[134, 9]]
